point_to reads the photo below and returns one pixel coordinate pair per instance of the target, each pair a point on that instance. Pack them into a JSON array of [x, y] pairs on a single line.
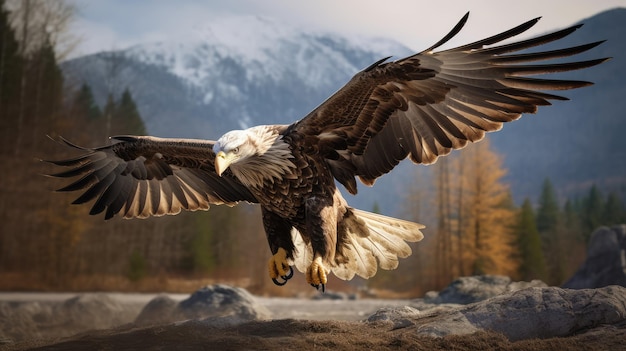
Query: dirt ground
[[290, 334]]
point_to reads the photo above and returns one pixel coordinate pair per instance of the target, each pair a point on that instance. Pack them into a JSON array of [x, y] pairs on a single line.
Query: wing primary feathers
[[545, 55], [95, 189], [551, 68], [543, 84], [83, 167], [143, 176], [88, 178], [525, 44], [498, 37], [451, 34]]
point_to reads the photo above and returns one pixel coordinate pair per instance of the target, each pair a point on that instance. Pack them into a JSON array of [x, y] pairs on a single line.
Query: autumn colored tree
[[470, 219], [444, 251], [488, 239]]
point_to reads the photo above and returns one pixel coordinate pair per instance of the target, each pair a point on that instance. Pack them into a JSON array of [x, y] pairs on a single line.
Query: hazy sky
[[117, 24]]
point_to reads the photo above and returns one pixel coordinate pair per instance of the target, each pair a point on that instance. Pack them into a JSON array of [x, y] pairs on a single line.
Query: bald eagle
[[420, 107]]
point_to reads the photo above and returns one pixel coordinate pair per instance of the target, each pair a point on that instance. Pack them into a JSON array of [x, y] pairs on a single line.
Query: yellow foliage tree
[[486, 214]]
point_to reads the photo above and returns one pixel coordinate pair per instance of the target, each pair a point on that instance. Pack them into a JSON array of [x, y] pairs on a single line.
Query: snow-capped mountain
[[233, 73]]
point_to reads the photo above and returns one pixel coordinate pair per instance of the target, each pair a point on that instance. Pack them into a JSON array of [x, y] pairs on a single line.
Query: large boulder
[[466, 290], [525, 314], [606, 260], [217, 305], [23, 320]]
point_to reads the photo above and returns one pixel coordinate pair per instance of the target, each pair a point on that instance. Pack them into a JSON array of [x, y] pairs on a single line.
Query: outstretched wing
[[425, 105], [143, 176]]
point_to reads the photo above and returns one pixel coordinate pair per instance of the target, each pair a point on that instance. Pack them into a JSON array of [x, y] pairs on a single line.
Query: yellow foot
[[279, 267], [316, 274]]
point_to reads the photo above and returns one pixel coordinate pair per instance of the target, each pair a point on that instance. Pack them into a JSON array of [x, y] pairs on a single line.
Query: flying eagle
[[420, 107]]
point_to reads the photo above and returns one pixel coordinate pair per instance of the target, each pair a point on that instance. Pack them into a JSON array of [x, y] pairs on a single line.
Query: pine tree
[[613, 210], [548, 212], [593, 208], [109, 110], [46, 91], [126, 118], [552, 231], [376, 207], [532, 265], [11, 64], [572, 220], [84, 103]]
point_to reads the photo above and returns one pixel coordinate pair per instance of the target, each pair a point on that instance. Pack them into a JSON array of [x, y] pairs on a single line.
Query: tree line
[[554, 235], [474, 227]]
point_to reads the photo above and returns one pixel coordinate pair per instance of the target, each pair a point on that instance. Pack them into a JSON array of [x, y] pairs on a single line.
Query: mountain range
[[243, 71]]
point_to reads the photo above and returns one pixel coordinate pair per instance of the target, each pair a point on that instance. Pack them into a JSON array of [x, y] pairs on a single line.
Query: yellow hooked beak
[[223, 161]]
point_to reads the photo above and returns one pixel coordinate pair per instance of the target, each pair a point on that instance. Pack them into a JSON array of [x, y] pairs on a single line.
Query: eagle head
[[253, 155], [231, 148]]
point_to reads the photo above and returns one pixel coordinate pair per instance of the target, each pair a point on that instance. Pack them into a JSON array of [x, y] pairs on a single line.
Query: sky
[[117, 24]]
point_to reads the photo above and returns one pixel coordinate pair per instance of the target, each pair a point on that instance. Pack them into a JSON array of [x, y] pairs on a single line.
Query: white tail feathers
[[369, 240]]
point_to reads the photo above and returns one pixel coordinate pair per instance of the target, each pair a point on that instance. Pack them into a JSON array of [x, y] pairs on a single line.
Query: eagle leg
[[317, 274], [279, 267]]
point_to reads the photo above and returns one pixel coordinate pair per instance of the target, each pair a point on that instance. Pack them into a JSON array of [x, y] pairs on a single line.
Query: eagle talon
[[317, 287], [279, 283], [288, 276], [316, 274], [278, 265], [285, 278]]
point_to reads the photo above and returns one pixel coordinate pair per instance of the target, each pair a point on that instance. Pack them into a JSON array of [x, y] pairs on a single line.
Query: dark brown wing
[[428, 104], [143, 176]]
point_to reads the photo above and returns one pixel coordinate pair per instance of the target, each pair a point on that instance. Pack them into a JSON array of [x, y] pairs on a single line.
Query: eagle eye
[[236, 150]]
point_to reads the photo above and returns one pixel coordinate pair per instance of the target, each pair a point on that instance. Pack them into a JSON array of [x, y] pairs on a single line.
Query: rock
[[334, 295], [606, 260], [539, 312], [40, 319], [400, 316], [158, 311], [467, 290], [218, 305], [93, 311], [549, 312]]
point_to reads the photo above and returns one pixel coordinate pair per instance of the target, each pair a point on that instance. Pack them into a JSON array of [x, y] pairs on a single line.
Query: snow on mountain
[[264, 50], [230, 73]]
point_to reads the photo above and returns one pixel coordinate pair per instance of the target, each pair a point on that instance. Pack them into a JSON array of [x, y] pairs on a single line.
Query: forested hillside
[[46, 243]]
